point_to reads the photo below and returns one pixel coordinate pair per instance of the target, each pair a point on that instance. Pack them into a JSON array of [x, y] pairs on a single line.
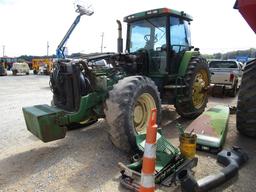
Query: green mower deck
[[211, 128]]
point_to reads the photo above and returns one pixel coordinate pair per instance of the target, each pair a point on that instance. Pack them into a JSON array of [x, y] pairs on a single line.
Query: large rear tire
[[194, 99], [233, 91], [128, 108], [246, 105]]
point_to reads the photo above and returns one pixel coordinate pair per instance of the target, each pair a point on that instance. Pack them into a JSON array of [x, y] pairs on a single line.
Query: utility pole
[[3, 50], [101, 47], [48, 48]]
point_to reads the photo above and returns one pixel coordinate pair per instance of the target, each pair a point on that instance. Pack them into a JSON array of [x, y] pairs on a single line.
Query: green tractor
[[159, 66]]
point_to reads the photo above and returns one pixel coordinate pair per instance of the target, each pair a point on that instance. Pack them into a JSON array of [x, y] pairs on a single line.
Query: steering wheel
[[147, 38]]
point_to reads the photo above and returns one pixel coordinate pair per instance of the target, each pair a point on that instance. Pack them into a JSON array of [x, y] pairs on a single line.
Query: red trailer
[[7, 62], [247, 8], [246, 105]]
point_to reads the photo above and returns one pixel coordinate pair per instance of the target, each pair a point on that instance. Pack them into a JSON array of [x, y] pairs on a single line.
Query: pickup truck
[[226, 74]]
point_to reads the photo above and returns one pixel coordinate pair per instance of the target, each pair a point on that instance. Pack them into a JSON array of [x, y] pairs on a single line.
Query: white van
[[20, 68]]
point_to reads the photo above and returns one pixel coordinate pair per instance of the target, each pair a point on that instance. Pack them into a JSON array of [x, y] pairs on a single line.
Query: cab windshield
[[149, 34]]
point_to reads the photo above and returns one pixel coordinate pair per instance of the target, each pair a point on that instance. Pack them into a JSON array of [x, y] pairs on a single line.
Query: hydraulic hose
[[233, 159]]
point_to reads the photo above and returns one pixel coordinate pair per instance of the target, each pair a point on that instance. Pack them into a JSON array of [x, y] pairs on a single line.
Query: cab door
[[180, 42], [156, 46]]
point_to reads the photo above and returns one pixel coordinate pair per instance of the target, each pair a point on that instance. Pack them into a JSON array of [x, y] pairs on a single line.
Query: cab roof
[[155, 13]]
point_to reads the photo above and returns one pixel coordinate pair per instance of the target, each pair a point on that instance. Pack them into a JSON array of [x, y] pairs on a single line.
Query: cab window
[[179, 34]]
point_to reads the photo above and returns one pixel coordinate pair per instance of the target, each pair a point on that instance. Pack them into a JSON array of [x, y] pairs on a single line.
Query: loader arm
[[61, 48]]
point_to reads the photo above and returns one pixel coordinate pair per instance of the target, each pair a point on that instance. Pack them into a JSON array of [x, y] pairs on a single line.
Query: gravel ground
[[85, 160]]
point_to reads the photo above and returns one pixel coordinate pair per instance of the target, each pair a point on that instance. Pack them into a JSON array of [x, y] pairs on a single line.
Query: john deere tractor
[[159, 66]]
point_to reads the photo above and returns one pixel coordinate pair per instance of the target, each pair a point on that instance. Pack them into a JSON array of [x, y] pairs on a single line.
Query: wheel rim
[[141, 113], [199, 93], [88, 120]]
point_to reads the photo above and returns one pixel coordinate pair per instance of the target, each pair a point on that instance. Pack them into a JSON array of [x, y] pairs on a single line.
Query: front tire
[[194, 99], [14, 72], [246, 104], [128, 108], [35, 72], [233, 91]]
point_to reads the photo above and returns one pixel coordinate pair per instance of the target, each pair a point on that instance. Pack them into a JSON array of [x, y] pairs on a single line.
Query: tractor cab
[[163, 35]]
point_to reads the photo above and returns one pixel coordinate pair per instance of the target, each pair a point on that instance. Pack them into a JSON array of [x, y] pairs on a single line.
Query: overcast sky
[[27, 25]]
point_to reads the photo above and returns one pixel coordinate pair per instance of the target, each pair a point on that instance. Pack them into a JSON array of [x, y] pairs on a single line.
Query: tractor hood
[[247, 8]]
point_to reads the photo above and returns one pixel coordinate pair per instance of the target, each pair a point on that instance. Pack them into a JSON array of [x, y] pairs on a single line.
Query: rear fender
[[185, 60], [86, 104]]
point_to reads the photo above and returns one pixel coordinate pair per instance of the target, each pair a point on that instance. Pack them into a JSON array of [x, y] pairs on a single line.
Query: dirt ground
[[86, 160]]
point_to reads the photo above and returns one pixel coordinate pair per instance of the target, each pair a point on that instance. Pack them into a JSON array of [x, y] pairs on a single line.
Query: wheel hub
[[198, 93], [141, 112], [138, 114]]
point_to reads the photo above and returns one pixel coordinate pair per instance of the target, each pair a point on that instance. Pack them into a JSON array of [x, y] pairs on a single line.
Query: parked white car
[[20, 68], [226, 73]]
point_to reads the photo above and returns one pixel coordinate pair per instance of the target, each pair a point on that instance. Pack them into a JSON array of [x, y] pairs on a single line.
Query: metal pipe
[[119, 39]]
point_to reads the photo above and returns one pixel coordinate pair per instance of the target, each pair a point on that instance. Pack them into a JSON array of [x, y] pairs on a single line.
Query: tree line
[[250, 53]]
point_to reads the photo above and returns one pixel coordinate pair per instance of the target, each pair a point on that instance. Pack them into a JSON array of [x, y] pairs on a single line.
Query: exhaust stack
[[119, 39]]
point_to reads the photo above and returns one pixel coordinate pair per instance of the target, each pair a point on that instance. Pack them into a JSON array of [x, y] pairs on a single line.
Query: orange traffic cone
[[147, 183]]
